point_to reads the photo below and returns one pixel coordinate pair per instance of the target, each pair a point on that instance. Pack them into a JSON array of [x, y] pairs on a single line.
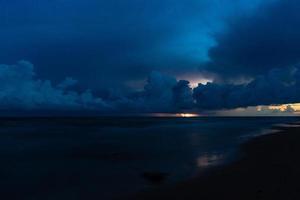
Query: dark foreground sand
[[268, 169]]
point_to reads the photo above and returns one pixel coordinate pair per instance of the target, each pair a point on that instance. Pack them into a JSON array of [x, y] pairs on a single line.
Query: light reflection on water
[[258, 133], [276, 128], [210, 160], [107, 157], [289, 125]]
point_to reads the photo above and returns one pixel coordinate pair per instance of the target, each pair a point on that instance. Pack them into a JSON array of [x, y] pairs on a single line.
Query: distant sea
[[108, 157]]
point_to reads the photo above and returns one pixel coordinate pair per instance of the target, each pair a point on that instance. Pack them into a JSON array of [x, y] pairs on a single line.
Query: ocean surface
[[107, 157]]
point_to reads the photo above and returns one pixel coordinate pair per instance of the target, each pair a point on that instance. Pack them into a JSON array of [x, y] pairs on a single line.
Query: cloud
[[155, 97], [278, 86], [163, 93], [287, 110], [131, 37], [68, 82], [256, 43], [183, 95], [20, 90]]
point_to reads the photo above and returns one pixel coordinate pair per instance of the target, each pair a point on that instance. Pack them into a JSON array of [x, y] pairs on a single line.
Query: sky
[[140, 56]]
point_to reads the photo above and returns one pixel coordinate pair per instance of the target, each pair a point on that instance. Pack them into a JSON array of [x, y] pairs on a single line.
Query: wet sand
[[269, 168]]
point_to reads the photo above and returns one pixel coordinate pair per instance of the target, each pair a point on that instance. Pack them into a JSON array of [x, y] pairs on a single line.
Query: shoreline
[[269, 168]]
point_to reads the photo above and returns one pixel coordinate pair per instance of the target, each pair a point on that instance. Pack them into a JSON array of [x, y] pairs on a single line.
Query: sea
[[107, 158]]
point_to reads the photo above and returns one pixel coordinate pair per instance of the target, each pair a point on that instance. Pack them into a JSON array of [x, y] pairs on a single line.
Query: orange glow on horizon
[[183, 115], [284, 107], [195, 82], [187, 115]]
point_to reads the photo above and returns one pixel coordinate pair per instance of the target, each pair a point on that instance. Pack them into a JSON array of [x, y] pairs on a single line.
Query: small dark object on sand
[[155, 177]]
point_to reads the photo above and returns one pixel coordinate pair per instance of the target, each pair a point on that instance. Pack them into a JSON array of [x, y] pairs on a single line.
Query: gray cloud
[[20, 90], [254, 44], [183, 95], [104, 45], [131, 37], [157, 96], [278, 86]]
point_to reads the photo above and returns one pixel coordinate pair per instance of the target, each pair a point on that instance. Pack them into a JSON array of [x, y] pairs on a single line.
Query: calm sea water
[[104, 158]]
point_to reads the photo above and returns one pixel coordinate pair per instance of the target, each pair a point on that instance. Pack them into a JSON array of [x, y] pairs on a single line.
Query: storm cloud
[[20, 90], [278, 86], [254, 44], [116, 41], [130, 56]]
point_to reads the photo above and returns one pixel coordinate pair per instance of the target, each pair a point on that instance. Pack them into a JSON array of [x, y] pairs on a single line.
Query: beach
[[148, 158], [268, 168]]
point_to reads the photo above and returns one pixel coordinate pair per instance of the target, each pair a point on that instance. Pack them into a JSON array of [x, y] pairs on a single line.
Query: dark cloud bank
[[91, 40], [20, 90], [257, 43], [263, 47]]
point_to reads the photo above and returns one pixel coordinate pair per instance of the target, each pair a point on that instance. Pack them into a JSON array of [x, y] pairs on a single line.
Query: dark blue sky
[[111, 42], [111, 47]]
